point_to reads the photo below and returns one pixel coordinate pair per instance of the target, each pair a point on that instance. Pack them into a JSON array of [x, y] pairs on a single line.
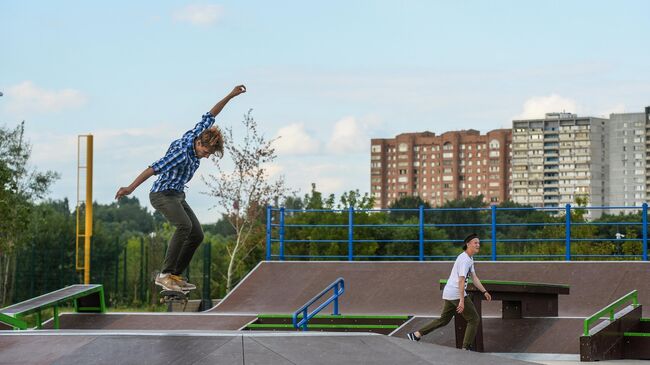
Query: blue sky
[[326, 77]]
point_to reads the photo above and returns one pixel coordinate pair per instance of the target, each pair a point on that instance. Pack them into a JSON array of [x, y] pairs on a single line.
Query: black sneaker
[[411, 336]]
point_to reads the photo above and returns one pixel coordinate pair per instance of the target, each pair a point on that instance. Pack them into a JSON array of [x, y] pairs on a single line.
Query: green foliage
[[127, 216], [397, 215], [45, 259], [19, 187]]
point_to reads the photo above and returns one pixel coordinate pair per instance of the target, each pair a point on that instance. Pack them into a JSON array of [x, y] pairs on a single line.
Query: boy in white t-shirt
[[454, 295]]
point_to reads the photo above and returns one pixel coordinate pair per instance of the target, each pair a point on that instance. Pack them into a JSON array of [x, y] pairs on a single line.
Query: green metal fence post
[[206, 300], [125, 293], [56, 317], [32, 271], [146, 272], [116, 274], [141, 270]]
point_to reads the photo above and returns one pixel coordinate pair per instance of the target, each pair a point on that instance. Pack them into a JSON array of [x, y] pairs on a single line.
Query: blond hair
[[213, 139]]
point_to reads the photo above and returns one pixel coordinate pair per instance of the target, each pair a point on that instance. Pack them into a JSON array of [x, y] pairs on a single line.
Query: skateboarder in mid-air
[[167, 195]]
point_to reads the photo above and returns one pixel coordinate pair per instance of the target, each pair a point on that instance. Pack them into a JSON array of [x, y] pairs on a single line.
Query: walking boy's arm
[[144, 175], [218, 107], [461, 293], [479, 286]]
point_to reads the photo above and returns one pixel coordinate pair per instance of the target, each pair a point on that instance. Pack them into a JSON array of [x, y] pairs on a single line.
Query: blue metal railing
[[282, 223], [338, 287]]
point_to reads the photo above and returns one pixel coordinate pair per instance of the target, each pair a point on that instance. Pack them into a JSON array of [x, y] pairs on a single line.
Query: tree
[[244, 192], [20, 187], [406, 202], [45, 249]]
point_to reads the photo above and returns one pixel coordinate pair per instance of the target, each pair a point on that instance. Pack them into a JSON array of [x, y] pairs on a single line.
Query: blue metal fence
[[283, 227]]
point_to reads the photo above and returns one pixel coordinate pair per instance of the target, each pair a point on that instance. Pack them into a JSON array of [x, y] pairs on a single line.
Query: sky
[[325, 77]]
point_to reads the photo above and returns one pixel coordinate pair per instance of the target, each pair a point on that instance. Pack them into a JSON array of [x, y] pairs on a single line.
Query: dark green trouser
[[448, 312], [188, 235]]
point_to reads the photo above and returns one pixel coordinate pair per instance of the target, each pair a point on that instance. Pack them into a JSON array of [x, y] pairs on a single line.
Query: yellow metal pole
[[78, 234], [89, 208]]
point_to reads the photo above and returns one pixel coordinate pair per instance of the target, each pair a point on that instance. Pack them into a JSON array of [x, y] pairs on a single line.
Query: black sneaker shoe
[[411, 336]]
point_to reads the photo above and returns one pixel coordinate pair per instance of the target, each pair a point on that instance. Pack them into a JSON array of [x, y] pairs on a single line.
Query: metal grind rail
[[338, 288]]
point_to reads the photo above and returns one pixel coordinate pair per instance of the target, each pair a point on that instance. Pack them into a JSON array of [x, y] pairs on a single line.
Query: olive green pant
[[448, 312], [188, 235]]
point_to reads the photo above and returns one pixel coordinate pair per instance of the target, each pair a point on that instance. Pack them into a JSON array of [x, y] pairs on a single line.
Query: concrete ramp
[[412, 287], [152, 321], [526, 335], [195, 348]]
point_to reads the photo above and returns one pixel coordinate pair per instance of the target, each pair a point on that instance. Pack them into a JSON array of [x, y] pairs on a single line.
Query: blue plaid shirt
[[180, 163]]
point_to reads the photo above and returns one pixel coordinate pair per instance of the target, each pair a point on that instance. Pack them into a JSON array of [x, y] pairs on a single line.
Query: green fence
[[127, 277]]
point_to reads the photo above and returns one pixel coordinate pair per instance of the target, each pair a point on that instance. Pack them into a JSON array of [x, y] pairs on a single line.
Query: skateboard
[[173, 296]]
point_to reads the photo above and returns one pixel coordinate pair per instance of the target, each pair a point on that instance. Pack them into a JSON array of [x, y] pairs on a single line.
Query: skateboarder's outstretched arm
[[144, 175], [218, 107]]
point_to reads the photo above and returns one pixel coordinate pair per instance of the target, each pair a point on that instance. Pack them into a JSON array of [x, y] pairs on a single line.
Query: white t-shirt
[[464, 266]]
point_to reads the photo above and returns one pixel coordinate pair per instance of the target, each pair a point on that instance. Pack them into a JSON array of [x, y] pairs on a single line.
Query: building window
[[375, 148], [403, 147]]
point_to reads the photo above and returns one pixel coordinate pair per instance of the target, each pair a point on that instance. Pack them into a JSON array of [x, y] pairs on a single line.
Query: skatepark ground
[[380, 288]]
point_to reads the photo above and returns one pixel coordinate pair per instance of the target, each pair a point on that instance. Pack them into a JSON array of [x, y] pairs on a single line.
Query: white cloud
[[329, 177], [295, 140], [331, 185], [536, 107], [349, 136], [274, 170], [51, 149], [137, 146], [201, 15], [27, 97]]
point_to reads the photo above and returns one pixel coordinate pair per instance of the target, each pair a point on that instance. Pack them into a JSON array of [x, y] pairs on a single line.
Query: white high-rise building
[[558, 159], [628, 174]]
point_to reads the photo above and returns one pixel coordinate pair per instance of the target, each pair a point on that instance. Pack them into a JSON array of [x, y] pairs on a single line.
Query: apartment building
[[628, 174], [439, 168], [559, 158], [647, 151]]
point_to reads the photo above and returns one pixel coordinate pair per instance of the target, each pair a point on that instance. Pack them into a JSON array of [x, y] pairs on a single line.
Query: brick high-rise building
[[440, 168]]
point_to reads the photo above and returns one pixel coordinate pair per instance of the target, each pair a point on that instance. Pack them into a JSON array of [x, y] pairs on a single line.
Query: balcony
[[551, 145]]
